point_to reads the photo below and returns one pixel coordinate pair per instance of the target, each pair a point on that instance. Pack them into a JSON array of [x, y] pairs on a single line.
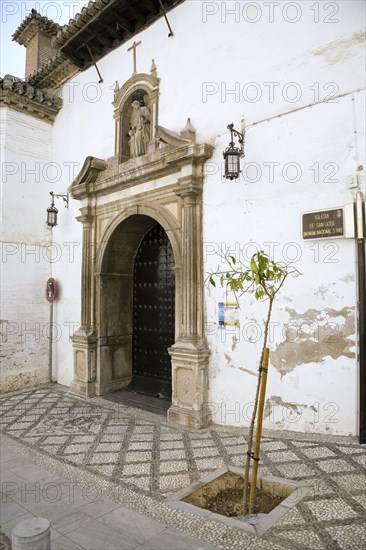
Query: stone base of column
[[85, 347], [109, 386], [190, 384], [84, 389], [187, 417]]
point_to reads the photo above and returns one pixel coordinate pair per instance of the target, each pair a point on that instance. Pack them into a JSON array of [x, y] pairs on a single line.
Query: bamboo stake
[[254, 415], [250, 442], [258, 435]]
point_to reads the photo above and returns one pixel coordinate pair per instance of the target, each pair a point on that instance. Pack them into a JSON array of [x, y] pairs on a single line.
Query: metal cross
[[133, 47]]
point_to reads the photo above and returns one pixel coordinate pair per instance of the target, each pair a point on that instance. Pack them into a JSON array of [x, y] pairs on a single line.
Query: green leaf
[[259, 294], [212, 282], [232, 258], [253, 265]]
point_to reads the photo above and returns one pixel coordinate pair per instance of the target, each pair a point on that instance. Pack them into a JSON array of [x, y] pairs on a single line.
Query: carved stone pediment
[[144, 150], [168, 137], [102, 177], [88, 174]]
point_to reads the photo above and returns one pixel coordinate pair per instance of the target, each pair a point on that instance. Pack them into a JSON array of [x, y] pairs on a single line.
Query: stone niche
[[159, 180]]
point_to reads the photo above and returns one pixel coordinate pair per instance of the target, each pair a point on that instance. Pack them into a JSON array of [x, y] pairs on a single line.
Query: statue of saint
[[140, 129]]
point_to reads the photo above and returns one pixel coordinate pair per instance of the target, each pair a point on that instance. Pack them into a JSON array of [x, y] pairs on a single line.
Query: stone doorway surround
[[120, 201]]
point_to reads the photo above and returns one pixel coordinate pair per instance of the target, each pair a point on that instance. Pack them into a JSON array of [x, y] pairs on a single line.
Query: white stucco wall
[[26, 254], [313, 364], [216, 69]]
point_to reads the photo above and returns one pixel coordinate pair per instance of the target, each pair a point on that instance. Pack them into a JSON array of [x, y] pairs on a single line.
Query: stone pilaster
[[190, 385], [84, 339], [190, 353]]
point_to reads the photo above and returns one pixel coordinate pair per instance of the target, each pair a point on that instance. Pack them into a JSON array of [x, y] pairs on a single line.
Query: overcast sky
[[13, 12]]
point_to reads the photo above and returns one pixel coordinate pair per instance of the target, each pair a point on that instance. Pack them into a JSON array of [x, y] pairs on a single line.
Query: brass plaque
[[324, 224]]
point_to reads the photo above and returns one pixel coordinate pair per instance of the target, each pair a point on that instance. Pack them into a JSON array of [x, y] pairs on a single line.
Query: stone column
[[190, 353], [85, 340]]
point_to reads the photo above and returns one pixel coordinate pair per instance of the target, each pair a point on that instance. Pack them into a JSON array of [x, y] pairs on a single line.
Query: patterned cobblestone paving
[[142, 459]]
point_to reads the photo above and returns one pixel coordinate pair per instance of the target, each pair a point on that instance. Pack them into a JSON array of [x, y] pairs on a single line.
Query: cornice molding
[[31, 24], [21, 96], [55, 72]]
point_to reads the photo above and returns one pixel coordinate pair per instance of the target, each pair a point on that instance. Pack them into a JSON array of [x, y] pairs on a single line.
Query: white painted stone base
[[32, 534]]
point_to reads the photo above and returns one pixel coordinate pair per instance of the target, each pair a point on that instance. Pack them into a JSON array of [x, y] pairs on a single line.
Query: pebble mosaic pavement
[[137, 458]]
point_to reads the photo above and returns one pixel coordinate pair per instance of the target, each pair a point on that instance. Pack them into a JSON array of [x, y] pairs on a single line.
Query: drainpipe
[[361, 279], [50, 345]]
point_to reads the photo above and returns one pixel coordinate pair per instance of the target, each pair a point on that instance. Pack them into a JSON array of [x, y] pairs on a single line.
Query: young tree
[[263, 278]]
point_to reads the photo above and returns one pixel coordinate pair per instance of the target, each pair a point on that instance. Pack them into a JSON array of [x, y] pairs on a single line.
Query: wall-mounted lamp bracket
[[239, 135], [63, 196], [52, 210]]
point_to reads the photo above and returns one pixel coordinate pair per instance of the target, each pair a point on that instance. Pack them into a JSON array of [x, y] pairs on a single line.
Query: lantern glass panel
[[232, 165], [52, 216]]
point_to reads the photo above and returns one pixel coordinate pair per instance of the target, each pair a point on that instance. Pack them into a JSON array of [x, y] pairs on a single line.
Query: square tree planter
[[291, 491]]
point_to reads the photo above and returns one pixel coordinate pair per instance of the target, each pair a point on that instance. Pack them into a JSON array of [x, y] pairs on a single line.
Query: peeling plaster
[[228, 358], [230, 364], [340, 50], [349, 278], [275, 400], [247, 371], [321, 292], [235, 341], [313, 335]]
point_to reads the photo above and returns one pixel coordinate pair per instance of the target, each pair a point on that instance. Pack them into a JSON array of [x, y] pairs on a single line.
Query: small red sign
[[51, 290]]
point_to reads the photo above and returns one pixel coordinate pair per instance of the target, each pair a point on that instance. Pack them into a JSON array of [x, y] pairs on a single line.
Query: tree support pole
[[258, 435]]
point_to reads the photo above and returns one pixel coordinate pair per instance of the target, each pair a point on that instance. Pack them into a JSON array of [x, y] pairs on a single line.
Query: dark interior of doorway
[[153, 315]]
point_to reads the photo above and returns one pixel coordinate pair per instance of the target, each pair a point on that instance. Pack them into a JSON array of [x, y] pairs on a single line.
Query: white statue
[[140, 129]]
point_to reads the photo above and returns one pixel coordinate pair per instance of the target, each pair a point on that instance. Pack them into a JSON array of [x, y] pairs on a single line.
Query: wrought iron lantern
[[52, 215], [233, 154], [52, 210]]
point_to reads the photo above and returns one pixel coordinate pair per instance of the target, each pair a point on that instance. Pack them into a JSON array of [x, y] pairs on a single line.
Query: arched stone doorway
[[137, 308], [122, 199], [129, 293]]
